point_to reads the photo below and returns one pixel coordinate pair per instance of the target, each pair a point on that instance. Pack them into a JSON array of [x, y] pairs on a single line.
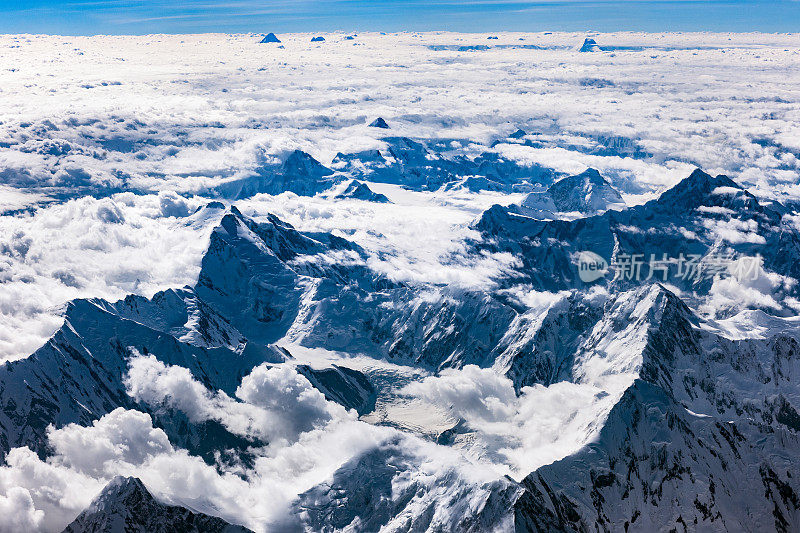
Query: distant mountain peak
[[700, 188], [587, 192], [300, 162], [270, 38], [590, 45], [592, 174], [299, 173], [379, 123], [357, 190]]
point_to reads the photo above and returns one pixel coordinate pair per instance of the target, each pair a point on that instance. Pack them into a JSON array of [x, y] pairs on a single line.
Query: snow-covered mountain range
[[683, 407], [409, 324]]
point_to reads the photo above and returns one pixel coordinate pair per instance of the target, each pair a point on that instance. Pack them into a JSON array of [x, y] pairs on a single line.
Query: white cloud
[[19, 512], [277, 406], [747, 285], [734, 231], [124, 442], [57, 491], [398, 237], [518, 434], [138, 113], [126, 115], [121, 436]]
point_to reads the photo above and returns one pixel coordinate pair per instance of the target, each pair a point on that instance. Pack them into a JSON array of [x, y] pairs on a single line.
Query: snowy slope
[[126, 505], [587, 192], [654, 360], [705, 414]]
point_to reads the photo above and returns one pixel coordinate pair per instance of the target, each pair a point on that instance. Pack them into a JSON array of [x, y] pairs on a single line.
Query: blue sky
[[86, 17]]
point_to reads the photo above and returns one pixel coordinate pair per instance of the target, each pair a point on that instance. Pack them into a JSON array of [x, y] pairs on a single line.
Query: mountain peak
[[590, 45], [125, 504], [300, 162], [697, 189], [587, 192], [357, 190], [123, 487], [270, 38], [593, 175], [278, 235], [379, 123]]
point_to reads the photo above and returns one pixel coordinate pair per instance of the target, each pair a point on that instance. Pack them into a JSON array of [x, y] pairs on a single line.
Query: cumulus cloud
[[72, 233], [171, 139], [748, 285], [45, 495], [398, 237], [734, 231], [63, 485], [173, 205], [122, 436], [476, 394], [19, 512], [172, 135], [58, 492], [277, 403], [282, 391], [517, 434]]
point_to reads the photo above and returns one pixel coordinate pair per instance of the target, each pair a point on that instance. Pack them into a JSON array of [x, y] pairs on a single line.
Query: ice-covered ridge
[[125, 504]]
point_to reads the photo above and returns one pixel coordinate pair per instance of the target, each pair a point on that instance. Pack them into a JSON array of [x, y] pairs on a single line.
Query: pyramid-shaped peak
[[590, 45], [278, 235], [696, 189], [214, 204], [587, 192], [591, 174], [270, 38], [298, 156], [360, 191], [119, 492], [379, 123], [125, 504], [300, 162], [699, 180], [272, 219], [122, 485]]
